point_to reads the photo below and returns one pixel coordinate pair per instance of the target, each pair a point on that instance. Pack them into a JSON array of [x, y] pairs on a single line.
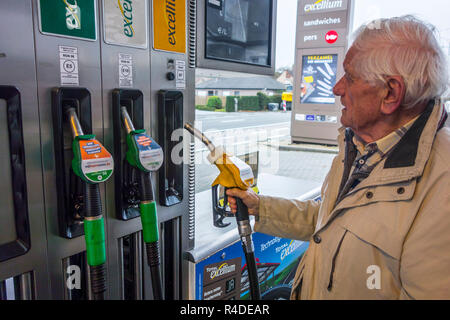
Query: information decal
[[318, 79], [68, 66], [125, 70], [126, 22]]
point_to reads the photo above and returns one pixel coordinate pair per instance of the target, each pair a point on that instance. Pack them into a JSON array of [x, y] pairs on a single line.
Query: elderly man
[[382, 229]]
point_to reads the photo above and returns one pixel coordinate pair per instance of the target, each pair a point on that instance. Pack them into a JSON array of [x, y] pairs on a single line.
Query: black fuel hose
[[245, 232]]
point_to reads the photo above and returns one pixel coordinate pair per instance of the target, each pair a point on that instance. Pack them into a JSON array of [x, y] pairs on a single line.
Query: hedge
[[264, 100], [206, 108], [275, 99], [229, 103], [214, 102], [251, 103]]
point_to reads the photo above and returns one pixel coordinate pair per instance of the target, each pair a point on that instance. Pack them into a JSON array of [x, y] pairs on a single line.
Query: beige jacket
[[389, 238]]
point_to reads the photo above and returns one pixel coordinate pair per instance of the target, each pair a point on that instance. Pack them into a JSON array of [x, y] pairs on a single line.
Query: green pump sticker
[[69, 18]]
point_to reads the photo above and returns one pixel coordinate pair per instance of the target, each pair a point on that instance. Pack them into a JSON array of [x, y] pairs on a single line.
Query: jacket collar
[[404, 153]]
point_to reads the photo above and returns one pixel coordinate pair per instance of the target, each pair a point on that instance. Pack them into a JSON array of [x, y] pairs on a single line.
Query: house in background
[[236, 86], [286, 78]]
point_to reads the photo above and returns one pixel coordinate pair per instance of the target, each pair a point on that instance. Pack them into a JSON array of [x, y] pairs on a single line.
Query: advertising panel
[[318, 79], [223, 276]]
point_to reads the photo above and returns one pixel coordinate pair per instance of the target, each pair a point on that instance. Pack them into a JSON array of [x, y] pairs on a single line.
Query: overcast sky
[[436, 12]]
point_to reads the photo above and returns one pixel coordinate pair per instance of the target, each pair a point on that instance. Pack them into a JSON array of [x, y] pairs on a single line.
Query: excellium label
[[126, 22], [322, 5], [169, 25]]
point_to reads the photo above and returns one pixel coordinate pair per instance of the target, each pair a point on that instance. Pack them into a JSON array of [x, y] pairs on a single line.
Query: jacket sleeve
[[425, 261], [291, 219]]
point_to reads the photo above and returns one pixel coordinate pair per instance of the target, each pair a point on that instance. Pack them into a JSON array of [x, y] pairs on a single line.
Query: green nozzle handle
[[149, 221]]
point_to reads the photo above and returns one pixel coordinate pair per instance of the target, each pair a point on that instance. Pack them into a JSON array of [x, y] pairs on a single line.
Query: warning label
[[68, 61], [125, 70]]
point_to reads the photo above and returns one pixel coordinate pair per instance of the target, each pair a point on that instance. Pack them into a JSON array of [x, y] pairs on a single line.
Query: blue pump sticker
[[151, 155]]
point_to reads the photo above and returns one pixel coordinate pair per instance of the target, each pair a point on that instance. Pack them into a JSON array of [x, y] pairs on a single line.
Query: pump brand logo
[[126, 8], [289, 249], [331, 36], [222, 270], [320, 5], [171, 19], [73, 15], [169, 25]]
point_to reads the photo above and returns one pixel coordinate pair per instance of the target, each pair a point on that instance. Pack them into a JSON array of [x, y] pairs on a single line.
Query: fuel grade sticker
[[97, 164], [151, 155]]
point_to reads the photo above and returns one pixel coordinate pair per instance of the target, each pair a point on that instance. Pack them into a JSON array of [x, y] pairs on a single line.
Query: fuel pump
[[147, 156], [234, 173], [93, 164]]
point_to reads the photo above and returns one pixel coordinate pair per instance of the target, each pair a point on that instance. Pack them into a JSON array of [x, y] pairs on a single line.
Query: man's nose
[[338, 89]]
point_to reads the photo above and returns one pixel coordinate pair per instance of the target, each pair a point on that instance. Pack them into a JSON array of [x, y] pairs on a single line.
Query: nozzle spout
[[128, 124], [198, 134], [74, 123]]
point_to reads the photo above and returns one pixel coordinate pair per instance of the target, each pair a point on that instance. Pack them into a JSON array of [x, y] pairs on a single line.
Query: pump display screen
[[318, 79], [239, 31]]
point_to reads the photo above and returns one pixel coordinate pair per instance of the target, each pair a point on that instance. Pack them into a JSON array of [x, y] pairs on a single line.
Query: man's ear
[[395, 93]]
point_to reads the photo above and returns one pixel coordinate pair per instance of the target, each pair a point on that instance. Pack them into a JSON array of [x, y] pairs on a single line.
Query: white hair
[[404, 46]]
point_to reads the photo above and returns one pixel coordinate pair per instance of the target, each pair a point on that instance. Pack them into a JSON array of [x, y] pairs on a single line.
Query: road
[[217, 121]]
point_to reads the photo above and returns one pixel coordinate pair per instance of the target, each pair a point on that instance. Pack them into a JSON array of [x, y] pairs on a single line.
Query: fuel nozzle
[[93, 164], [234, 173], [198, 134], [146, 155]]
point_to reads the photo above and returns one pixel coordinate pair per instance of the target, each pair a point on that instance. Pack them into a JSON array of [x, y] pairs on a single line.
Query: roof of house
[[243, 83]]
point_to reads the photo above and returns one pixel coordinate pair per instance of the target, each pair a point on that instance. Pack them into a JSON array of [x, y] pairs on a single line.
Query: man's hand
[[249, 197]]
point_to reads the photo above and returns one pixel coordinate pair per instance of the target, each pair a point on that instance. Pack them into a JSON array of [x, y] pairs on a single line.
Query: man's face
[[361, 101]]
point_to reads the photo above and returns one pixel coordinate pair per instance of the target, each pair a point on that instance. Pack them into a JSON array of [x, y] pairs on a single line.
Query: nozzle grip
[[242, 211]]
